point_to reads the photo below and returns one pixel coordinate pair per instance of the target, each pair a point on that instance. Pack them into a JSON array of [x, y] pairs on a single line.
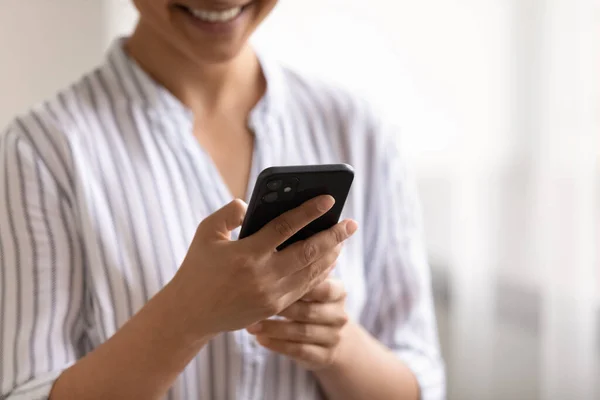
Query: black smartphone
[[280, 189]]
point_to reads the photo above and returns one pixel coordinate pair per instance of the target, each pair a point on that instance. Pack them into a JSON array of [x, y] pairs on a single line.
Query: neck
[[205, 87]]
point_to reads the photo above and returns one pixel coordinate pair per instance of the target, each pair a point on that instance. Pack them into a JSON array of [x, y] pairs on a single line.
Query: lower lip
[[221, 28]]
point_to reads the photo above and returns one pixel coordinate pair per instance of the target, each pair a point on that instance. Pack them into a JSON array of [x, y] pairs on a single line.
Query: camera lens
[[274, 185], [271, 197]]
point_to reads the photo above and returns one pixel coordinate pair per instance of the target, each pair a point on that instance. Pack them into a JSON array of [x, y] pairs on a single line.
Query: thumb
[[220, 224]]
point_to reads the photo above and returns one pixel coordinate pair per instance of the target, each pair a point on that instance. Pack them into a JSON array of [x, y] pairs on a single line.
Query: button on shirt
[[101, 191]]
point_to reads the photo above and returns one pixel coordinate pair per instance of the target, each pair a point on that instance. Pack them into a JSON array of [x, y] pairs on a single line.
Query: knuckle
[[299, 351], [294, 311], [343, 319], [307, 312], [304, 331], [283, 227], [338, 235], [309, 252]]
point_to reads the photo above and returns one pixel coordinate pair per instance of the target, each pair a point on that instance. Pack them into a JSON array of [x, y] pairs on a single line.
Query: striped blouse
[[102, 188]]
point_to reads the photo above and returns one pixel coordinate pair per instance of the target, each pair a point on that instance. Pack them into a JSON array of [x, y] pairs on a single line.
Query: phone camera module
[[274, 185], [270, 197], [287, 189]]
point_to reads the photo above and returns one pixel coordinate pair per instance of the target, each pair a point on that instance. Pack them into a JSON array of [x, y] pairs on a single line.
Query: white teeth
[[217, 16]]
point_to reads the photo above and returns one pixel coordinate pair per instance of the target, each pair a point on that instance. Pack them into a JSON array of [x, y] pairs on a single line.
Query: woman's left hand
[[313, 329]]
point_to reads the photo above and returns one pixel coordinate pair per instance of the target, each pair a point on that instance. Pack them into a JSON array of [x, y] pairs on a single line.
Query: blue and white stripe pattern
[[102, 188]]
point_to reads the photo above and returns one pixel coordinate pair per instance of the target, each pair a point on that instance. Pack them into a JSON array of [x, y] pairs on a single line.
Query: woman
[[111, 288]]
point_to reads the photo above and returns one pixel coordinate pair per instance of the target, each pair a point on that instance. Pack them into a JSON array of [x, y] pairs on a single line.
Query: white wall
[[120, 17], [567, 197], [44, 45], [441, 68]]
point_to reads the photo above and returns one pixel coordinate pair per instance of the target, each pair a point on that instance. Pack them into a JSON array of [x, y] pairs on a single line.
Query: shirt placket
[[254, 355]]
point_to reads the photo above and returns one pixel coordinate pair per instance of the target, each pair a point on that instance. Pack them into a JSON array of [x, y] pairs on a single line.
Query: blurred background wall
[[499, 104]]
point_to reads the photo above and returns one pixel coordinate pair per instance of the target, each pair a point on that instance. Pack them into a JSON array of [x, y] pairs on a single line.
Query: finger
[[296, 285], [332, 314], [288, 224], [223, 221], [324, 276], [322, 335], [302, 352], [305, 252], [331, 290]]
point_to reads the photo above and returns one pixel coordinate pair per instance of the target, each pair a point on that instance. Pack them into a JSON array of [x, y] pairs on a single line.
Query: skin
[[313, 329], [320, 336], [142, 360], [219, 78]]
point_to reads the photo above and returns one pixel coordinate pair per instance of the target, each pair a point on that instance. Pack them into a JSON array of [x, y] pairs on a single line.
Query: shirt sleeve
[[399, 310], [41, 278]]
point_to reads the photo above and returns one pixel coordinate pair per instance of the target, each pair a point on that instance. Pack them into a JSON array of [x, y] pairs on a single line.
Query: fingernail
[[254, 328], [351, 227], [325, 203]]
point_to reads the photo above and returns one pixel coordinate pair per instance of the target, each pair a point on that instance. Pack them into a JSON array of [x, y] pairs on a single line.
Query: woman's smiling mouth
[[214, 16]]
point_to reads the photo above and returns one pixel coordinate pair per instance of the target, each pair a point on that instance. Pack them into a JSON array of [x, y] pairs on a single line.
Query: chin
[[215, 37], [215, 54]]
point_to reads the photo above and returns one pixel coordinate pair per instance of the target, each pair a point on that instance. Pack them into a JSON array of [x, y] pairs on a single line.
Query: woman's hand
[[313, 329], [226, 285]]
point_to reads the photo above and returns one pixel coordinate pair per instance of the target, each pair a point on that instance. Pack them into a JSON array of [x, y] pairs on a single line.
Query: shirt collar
[[140, 88]]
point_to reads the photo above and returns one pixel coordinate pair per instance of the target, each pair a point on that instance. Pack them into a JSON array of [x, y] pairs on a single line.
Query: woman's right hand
[[224, 285]]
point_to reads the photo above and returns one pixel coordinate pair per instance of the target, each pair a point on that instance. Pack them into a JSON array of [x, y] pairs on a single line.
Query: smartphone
[[280, 189]]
